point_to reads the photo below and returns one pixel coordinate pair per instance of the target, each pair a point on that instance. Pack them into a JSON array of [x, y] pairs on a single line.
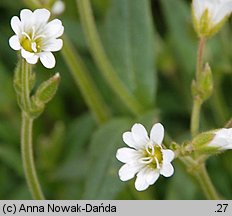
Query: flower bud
[[210, 15], [204, 87], [213, 142]]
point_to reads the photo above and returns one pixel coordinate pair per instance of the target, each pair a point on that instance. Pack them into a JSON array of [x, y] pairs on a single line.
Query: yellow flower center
[[152, 156], [30, 42]]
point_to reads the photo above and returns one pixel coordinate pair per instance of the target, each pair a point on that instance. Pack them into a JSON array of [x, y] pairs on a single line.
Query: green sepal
[[204, 27], [202, 139], [36, 107], [32, 80], [203, 88], [17, 78], [201, 144], [43, 95], [47, 90]]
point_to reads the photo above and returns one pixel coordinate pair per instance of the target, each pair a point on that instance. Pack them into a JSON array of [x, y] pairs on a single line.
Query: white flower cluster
[[146, 157], [35, 37]]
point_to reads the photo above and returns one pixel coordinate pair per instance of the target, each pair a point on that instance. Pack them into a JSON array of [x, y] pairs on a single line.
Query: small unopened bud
[[203, 88], [213, 142], [209, 16]]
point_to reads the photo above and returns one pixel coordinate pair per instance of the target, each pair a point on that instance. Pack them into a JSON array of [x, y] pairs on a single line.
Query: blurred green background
[[75, 157]]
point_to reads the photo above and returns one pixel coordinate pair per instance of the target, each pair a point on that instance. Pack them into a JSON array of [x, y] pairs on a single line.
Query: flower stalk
[[198, 170], [206, 183], [27, 131], [28, 158], [197, 101]]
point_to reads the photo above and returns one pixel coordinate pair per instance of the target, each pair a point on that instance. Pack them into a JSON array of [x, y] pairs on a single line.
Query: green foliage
[[152, 47], [128, 36]]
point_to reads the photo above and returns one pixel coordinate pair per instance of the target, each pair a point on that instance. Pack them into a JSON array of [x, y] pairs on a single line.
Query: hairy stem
[[206, 183], [195, 117], [197, 102], [198, 170], [28, 159], [26, 134]]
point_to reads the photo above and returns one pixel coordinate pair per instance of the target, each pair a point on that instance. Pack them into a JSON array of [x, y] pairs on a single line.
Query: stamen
[[150, 149], [146, 160], [39, 36], [27, 36], [157, 163], [33, 47]]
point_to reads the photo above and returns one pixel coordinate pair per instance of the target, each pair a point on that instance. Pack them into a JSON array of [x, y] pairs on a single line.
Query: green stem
[[197, 102], [28, 159], [206, 183], [198, 170], [26, 133], [25, 73], [195, 118], [85, 82], [200, 52], [101, 59]]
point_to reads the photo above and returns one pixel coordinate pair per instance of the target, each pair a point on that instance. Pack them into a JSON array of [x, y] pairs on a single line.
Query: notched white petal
[[16, 25], [33, 59], [126, 155], [129, 140], [140, 135], [26, 15], [14, 43], [41, 15], [140, 183], [152, 176], [47, 59], [157, 133], [54, 28], [53, 45], [126, 172], [167, 170], [25, 54], [168, 155]]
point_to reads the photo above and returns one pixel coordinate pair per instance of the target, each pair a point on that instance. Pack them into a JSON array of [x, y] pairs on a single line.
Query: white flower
[[209, 15], [222, 139], [58, 7], [146, 157], [35, 37]]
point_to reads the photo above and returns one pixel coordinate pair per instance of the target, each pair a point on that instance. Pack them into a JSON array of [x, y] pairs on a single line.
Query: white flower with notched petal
[[210, 15], [146, 157], [35, 37], [222, 139]]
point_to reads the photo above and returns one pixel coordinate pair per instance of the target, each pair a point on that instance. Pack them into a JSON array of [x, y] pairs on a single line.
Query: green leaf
[[51, 147], [128, 36], [11, 157], [102, 179], [78, 135], [7, 96]]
